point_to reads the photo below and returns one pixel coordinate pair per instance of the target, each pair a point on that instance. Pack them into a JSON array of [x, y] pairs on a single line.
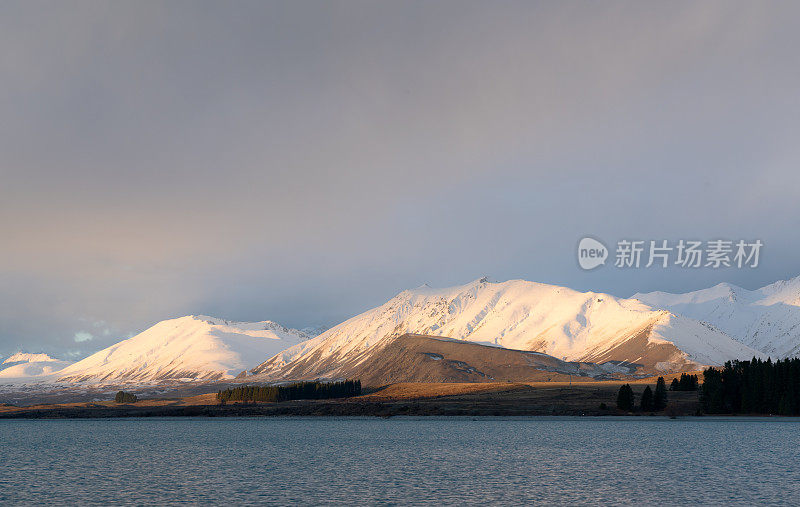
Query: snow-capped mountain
[[518, 314], [192, 347], [766, 319], [22, 365]]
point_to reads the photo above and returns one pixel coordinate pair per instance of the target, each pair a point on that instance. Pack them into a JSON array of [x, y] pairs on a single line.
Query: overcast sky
[[305, 161]]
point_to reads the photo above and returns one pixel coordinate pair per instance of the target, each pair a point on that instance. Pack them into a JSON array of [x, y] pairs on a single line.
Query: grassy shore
[[419, 399]]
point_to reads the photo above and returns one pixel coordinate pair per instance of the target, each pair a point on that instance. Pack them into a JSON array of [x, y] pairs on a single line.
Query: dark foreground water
[[400, 461]]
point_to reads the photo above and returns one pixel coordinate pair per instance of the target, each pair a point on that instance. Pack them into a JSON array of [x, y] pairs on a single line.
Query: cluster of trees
[[123, 397], [686, 383], [298, 391], [752, 387], [625, 398], [651, 401]]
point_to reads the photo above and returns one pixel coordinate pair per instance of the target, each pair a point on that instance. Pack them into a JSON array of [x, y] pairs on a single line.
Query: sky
[[305, 161]]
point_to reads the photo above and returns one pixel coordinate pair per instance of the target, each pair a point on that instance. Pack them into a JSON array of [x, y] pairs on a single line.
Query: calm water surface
[[400, 461]]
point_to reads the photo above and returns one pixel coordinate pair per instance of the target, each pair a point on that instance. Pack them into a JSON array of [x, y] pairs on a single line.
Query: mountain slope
[[22, 365], [192, 347], [418, 358], [517, 314], [766, 319]]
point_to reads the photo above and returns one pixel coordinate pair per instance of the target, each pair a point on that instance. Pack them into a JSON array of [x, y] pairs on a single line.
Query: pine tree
[[686, 383], [625, 398], [660, 396], [711, 396], [647, 400]]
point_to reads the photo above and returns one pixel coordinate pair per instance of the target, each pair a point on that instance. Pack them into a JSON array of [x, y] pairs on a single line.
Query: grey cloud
[[304, 161]]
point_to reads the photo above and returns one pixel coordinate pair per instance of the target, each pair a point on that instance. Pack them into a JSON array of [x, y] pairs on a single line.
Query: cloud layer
[[302, 161]]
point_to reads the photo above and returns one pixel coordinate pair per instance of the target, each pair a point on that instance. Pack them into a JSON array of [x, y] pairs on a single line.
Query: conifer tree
[[660, 396], [711, 396], [625, 398], [647, 400]]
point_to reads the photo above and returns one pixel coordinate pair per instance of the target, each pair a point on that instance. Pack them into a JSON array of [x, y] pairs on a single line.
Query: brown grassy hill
[[419, 358]]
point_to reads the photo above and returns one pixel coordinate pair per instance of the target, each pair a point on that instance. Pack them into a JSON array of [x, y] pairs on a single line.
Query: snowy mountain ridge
[[25, 365], [195, 347], [530, 316], [657, 331], [766, 319], [20, 357]]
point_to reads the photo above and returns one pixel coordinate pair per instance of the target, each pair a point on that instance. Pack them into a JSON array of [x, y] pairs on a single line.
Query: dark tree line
[[686, 383], [123, 397], [651, 401], [298, 391], [752, 387]]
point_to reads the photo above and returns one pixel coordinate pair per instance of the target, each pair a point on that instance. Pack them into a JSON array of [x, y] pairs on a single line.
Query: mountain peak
[[515, 314], [196, 347], [25, 357], [784, 290], [24, 366]]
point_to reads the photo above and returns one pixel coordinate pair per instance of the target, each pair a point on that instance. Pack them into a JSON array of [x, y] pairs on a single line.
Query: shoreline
[[504, 400], [404, 399]]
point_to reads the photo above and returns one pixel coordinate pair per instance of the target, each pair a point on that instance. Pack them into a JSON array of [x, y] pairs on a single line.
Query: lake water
[[400, 460]]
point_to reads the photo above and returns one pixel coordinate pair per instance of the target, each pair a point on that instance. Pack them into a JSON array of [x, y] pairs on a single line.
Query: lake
[[400, 460]]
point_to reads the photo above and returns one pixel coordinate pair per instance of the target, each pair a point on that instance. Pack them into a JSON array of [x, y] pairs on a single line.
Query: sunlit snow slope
[[192, 347], [517, 314], [766, 319], [22, 365]]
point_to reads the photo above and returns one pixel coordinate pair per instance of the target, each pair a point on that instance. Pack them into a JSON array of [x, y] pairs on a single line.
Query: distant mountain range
[[766, 319], [570, 332]]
